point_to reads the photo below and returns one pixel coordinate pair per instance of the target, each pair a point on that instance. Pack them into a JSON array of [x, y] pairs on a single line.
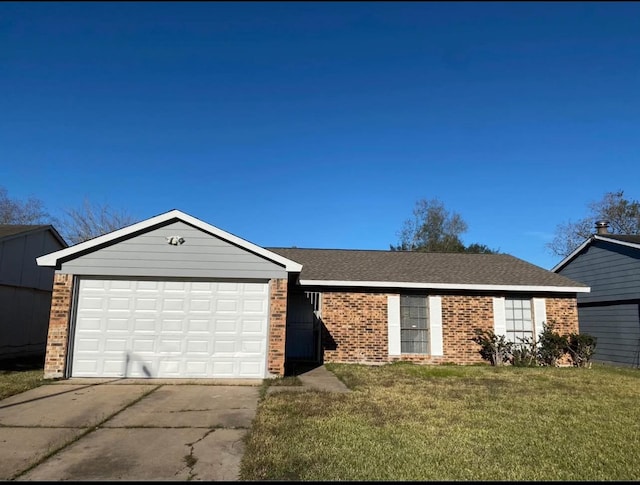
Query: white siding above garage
[[170, 329], [149, 254]]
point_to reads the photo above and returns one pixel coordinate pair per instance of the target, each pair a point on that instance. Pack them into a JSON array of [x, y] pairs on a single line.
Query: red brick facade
[[55, 359], [277, 325], [356, 327], [563, 314], [357, 324]]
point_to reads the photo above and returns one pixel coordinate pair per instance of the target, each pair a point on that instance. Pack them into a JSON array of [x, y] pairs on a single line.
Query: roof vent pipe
[[602, 228]]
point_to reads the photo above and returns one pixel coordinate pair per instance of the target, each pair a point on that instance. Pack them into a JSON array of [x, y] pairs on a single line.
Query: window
[[413, 324], [518, 319]]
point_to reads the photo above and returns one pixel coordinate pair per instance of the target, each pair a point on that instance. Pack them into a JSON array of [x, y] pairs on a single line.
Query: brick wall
[[277, 325], [563, 314], [356, 327], [58, 335]]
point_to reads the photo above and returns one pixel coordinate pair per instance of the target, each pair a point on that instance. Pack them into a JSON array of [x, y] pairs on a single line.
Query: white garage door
[[142, 328]]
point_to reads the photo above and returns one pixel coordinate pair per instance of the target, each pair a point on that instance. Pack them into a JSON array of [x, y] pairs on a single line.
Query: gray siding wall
[[617, 328], [18, 265], [149, 255], [612, 272], [24, 320]]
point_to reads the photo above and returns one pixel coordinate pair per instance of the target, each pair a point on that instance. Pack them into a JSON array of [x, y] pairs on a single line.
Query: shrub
[[497, 350], [551, 346], [581, 348], [524, 354]]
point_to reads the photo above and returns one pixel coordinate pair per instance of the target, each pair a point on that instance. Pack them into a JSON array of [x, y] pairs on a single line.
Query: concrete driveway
[[126, 430]]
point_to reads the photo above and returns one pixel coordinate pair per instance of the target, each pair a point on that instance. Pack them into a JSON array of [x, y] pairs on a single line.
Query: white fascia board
[[575, 252], [52, 259], [447, 286], [616, 241]]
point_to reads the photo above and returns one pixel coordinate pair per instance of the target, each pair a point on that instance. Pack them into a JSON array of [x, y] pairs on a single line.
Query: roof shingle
[[419, 267]]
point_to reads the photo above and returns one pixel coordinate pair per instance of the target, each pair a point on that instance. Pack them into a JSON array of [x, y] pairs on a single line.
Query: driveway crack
[[190, 459]]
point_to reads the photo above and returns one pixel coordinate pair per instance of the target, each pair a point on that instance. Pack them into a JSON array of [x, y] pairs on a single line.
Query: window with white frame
[[413, 324], [519, 320]]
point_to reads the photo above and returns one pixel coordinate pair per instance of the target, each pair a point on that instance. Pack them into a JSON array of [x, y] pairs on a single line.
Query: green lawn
[[410, 422]]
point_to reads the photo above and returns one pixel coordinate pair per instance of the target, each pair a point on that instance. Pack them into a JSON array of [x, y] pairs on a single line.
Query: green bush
[[524, 354], [581, 348], [551, 346], [497, 350]]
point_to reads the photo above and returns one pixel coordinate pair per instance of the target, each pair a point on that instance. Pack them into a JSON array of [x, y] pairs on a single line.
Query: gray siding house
[[25, 289], [610, 265]]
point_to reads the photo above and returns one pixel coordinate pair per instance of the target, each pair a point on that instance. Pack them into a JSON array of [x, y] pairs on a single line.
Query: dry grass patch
[[15, 382], [410, 422]]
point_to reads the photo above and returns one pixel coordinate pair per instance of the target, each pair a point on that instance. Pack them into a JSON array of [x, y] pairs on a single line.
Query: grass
[[17, 381], [411, 422]]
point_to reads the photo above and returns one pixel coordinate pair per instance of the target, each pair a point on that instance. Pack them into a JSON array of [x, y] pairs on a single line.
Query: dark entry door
[[303, 327]]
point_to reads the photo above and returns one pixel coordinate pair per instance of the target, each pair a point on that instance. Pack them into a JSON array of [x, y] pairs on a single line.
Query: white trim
[[617, 241], [435, 326], [539, 315], [446, 286], [499, 317], [589, 240], [572, 255], [52, 259], [393, 324]]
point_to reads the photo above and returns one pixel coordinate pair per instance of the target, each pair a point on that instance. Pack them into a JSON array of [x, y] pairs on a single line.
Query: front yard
[[410, 422], [17, 381]]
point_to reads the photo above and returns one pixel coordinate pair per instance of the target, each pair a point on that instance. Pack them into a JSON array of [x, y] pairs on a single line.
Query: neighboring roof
[[620, 239], [623, 237], [405, 269], [8, 231], [52, 259]]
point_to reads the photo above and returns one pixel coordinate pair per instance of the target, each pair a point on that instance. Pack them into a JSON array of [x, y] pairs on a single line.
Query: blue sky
[[321, 124]]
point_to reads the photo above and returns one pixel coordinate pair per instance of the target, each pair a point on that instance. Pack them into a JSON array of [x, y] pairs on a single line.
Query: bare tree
[[93, 220], [622, 215], [31, 211]]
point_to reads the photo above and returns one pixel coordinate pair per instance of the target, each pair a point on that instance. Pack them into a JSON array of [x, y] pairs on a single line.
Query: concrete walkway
[[318, 379]]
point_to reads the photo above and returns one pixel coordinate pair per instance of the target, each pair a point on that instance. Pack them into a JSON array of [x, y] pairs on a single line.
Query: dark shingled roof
[[623, 238], [13, 229], [417, 267]]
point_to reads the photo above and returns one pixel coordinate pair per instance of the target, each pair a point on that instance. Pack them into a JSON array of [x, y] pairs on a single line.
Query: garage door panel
[[117, 324], [144, 325], [252, 326], [198, 348], [148, 328], [169, 325], [252, 347], [200, 304], [116, 345], [249, 368], [197, 325], [225, 325], [141, 345]]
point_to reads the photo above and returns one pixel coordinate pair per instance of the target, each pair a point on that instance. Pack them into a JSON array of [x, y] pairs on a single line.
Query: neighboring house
[[25, 289], [610, 265], [173, 296]]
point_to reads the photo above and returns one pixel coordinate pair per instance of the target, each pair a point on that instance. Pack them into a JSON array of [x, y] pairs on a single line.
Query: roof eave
[[446, 286]]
